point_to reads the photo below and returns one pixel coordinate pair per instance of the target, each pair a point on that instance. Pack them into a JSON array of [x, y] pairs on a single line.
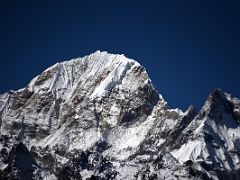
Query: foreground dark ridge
[[100, 117]]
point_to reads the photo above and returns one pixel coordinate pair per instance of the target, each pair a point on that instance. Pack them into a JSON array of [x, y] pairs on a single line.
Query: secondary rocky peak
[[217, 96], [218, 103]]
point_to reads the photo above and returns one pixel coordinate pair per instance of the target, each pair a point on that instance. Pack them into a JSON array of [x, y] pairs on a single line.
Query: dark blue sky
[[188, 47]]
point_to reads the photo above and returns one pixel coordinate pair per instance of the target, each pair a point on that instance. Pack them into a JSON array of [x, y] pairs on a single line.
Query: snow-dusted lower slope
[[100, 117]]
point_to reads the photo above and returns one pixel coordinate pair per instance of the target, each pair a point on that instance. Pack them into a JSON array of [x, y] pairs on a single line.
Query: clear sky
[[188, 47]]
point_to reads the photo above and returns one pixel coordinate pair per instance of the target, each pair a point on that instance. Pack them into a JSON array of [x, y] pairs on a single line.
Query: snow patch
[[190, 151]]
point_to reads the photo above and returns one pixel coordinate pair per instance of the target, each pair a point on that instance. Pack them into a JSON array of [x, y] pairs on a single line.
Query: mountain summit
[[100, 117]]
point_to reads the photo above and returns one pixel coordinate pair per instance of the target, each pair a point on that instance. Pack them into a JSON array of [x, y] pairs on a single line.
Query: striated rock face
[[100, 117]]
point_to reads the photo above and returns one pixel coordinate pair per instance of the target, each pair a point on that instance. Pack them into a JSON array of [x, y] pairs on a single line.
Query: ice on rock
[[112, 80], [113, 115], [121, 65]]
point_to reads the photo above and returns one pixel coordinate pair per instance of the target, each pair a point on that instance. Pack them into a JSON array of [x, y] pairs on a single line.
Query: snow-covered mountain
[[100, 117]]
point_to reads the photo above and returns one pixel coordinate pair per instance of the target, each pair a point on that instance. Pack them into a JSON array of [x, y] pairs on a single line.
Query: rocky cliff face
[[100, 117]]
